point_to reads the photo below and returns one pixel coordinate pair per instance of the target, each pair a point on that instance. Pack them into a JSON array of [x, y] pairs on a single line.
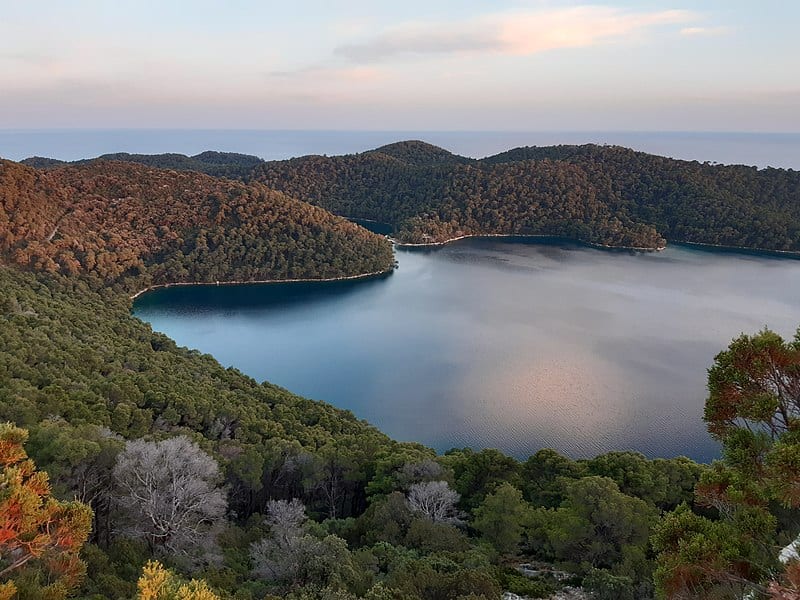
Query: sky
[[525, 65]]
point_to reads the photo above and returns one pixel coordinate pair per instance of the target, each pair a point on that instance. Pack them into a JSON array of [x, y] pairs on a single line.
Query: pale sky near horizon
[[658, 65]]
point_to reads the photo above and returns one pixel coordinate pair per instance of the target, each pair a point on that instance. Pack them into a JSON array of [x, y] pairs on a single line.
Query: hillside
[[262, 494], [83, 376], [596, 194], [604, 195], [133, 226]]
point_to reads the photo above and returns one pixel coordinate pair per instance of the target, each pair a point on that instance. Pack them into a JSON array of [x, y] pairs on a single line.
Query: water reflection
[[508, 345]]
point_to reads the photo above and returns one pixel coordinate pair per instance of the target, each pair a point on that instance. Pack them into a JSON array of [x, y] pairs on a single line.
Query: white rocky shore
[[568, 593]]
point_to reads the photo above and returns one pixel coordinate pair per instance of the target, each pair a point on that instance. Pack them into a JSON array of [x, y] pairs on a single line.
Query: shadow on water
[[223, 298], [374, 226]]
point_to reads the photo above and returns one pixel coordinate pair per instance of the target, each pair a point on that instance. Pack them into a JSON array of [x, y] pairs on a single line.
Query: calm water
[[516, 346], [760, 149]]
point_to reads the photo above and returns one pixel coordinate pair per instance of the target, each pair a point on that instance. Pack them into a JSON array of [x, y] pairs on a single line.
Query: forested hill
[[151, 452], [606, 195], [133, 226], [218, 164], [597, 194]]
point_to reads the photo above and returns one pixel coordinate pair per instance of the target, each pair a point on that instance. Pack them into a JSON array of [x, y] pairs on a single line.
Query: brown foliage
[[114, 220]]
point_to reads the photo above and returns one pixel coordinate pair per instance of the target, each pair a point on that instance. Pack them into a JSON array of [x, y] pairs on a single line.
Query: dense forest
[[132, 226], [597, 194], [604, 195], [133, 468]]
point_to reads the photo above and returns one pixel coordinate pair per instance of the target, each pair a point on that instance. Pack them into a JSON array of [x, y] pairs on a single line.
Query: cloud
[[419, 39], [698, 31], [354, 74], [513, 33]]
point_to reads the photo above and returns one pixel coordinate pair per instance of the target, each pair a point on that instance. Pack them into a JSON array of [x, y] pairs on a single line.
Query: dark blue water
[[510, 345], [759, 149]]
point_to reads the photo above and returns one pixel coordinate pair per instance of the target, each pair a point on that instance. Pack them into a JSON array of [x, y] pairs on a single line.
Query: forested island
[[132, 468]]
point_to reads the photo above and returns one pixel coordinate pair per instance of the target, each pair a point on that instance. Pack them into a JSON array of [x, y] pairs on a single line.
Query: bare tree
[[280, 556], [291, 554], [434, 500], [169, 494], [426, 470], [286, 516]]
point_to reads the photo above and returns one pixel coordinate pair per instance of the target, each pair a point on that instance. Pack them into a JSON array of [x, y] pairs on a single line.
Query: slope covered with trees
[[139, 430], [597, 194], [606, 195], [731, 205], [133, 226], [200, 483]]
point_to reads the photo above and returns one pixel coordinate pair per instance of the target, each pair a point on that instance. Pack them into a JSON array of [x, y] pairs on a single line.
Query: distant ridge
[[419, 153], [218, 164]]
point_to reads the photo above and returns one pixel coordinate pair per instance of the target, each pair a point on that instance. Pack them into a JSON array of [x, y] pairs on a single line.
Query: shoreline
[[698, 245], [263, 281], [524, 236], [794, 254], [742, 249]]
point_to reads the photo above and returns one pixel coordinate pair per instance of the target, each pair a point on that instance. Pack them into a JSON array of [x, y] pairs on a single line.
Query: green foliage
[[701, 557], [597, 526], [516, 583], [84, 376], [427, 536], [665, 483], [501, 518], [605, 586], [597, 194], [543, 474], [479, 473]]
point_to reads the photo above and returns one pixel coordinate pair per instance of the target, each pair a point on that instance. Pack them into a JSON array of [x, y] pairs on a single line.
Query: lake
[[510, 345]]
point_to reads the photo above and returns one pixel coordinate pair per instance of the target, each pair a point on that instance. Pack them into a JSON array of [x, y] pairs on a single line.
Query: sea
[[780, 150]]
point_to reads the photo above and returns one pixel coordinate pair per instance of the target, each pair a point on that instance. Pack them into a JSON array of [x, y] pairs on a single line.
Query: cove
[[516, 345]]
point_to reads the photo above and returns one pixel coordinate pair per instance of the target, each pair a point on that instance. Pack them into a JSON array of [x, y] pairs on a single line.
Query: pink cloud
[[513, 33]]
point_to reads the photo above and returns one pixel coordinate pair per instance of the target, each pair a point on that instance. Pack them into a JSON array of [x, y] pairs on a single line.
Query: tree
[[597, 525], [169, 494], [501, 518], [633, 473], [80, 462], [157, 583], [605, 586], [542, 476], [434, 500], [38, 534], [479, 473], [701, 558], [291, 554], [753, 409]]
